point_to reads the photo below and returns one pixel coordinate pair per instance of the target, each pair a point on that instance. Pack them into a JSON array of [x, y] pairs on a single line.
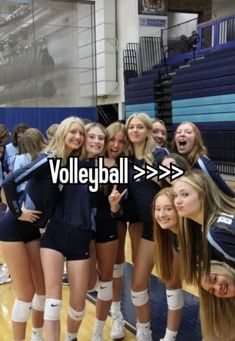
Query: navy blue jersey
[[74, 207], [142, 191], [159, 154], [40, 194], [208, 166], [221, 237]]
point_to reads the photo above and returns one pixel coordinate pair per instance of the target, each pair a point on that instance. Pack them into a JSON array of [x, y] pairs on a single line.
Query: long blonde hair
[[149, 143], [57, 145], [88, 127], [32, 142], [194, 247], [217, 317], [198, 149], [115, 128], [163, 241]]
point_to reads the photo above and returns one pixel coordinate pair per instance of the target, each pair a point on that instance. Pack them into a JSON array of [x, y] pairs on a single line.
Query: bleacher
[[200, 88]]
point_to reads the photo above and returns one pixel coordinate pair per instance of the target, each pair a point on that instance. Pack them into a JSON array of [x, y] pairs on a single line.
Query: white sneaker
[[36, 337], [4, 275], [97, 337], [143, 334], [117, 331]]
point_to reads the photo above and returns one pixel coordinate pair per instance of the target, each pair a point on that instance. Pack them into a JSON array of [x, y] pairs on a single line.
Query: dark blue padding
[[207, 65], [223, 52], [153, 76], [42, 118], [189, 327], [140, 93], [212, 126], [139, 100], [219, 90], [205, 83], [205, 74], [139, 84]]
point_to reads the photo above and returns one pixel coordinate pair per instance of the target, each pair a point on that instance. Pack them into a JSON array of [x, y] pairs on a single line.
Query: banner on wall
[[152, 7]]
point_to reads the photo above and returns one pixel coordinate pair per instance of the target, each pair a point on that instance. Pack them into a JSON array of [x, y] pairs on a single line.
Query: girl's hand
[[29, 215], [115, 198]]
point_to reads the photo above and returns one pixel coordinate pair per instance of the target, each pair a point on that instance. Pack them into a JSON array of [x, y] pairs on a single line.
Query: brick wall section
[[202, 7]]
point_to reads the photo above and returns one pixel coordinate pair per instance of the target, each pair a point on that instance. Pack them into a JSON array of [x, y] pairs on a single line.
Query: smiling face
[[159, 134], [165, 213], [95, 141], [187, 200], [185, 138], [137, 131], [74, 138], [115, 145], [218, 285]]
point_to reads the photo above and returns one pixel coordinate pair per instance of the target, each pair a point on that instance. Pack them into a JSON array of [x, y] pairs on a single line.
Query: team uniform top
[[143, 191], [208, 166], [40, 193], [221, 237], [159, 154], [11, 152], [74, 207]]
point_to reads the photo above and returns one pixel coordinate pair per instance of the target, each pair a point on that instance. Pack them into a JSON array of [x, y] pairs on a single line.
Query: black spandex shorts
[[14, 230], [106, 230], [72, 242], [147, 230]]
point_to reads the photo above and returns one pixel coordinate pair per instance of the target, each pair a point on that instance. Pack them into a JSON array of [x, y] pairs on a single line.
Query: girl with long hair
[[188, 142], [166, 228], [106, 234], [19, 228], [140, 152], [206, 233]]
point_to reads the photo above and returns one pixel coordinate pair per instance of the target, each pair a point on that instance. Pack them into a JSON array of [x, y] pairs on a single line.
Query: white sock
[[99, 326], [143, 325], [170, 335], [37, 331], [70, 336], [115, 307]]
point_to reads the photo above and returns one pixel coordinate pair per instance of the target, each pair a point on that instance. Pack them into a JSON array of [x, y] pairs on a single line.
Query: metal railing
[[180, 39], [141, 57], [221, 146], [216, 34]]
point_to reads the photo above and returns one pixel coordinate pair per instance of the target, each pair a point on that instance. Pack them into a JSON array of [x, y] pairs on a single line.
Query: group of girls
[[88, 230]]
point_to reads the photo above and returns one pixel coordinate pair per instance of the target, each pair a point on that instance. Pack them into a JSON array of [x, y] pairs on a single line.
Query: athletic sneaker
[[143, 334], [97, 337], [4, 275], [117, 331]]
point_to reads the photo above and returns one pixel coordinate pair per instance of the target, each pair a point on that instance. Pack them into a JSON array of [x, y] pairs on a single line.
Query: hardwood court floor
[[7, 298], [6, 301]]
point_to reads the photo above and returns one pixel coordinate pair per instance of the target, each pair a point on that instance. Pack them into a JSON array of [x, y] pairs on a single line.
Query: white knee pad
[[175, 299], [139, 298], [52, 309], [38, 302], [105, 291], [21, 311], [118, 270], [76, 315]]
